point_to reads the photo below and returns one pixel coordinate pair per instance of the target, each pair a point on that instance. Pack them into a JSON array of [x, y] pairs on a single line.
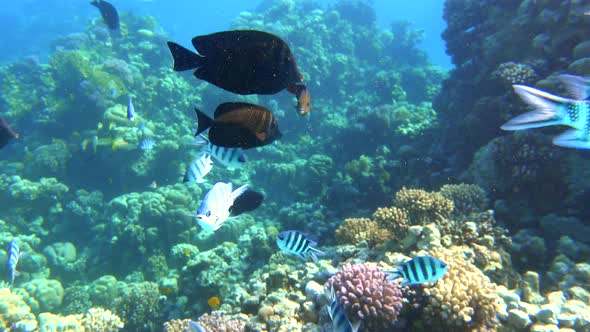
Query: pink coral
[[365, 293]]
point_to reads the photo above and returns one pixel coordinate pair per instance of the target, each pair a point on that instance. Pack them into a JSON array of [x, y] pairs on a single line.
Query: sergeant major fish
[[298, 244], [340, 320], [228, 157], [551, 110], [217, 204], [419, 270], [130, 109], [13, 256], [196, 171]]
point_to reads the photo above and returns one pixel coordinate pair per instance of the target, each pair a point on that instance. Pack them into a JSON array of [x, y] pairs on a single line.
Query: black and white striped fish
[[228, 157], [13, 256], [298, 244], [340, 321], [419, 270], [196, 171]]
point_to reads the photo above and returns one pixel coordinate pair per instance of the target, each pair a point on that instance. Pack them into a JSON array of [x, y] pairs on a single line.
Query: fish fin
[[572, 139], [577, 86], [261, 136], [317, 251], [247, 201], [393, 274], [236, 193], [201, 181], [195, 327], [203, 122], [355, 326], [313, 256], [547, 112], [184, 59], [229, 107]]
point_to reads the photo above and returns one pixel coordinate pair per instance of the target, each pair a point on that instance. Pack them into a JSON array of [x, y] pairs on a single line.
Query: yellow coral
[[14, 310], [464, 299], [467, 198], [176, 325], [355, 230], [393, 219], [99, 319], [424, 207]]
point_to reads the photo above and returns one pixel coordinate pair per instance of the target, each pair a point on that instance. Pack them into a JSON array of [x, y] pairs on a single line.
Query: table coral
[[366, 295], [355, 230], [464, 299]]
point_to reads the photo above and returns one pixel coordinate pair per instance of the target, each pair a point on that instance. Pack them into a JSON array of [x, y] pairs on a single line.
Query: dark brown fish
[[241, 61], [6, 133], [239, 125], [108, 12]]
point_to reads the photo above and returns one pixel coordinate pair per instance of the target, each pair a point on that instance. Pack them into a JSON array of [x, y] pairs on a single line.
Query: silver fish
[[228, 157], [298, 244], [13, 256], [216, 205], [130, 109], [196, 171], [195, 327]]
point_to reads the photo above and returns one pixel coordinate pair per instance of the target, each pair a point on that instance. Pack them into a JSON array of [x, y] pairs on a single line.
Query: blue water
[[29, 26]]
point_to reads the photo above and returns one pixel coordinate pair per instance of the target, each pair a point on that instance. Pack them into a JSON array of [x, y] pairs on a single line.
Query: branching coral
[[221, 323], [424, 207], [366, 295], [355, 230], [467, 198], [511, 73], [464, 299], [394, 219]]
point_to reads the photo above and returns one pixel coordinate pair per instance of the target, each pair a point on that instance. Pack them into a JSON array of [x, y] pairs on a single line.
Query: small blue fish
[[195, 327], [419, 270], [13, 256], [228, 157], [217, 204], [197, 170], [298, 244], [113, 92], [551, 110], [130, 109], [340, 320], [147, 144]]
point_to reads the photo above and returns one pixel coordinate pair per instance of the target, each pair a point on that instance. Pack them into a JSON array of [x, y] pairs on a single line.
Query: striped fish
[[195, 327], [298, 244], [196, 171], [130, 109], [419, 270], [217, 204], [228, 157], [13, 256], [340, 321]]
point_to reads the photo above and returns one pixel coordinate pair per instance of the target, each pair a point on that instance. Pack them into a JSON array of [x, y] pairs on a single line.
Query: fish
[[228, 157], [248, 201], [119, 144], [130, 109], [419, 270], [214, 302], [6, 133], [239, 125], [298, 244], [551, 110], [108, 12], [196, 171], [153, 185], [14, 254], [218, 204], [195, 327], [303, 99], [340, 321], [147, 144], [240, 61]]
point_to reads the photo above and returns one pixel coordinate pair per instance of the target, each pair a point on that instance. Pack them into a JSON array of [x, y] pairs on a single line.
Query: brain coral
[[366, 294], [464, 299], [355, 230]]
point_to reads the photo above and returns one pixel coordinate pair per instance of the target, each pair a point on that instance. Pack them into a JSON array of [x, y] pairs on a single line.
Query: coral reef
[[355, 230]]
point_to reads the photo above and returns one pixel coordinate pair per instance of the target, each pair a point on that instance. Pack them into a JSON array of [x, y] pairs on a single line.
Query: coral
[[52, 322], [355, 230], [47, 160], [59, 254], [467, 198], [177, 325], [366, 295], [99, 319], [15, 311], [103, 290], [515, 73], [43, 294], [138, 306], [464, 299], [394, 219], [424, 207], [219, 322]]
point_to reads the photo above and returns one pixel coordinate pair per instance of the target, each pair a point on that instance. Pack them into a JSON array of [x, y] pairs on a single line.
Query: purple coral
[[365, 293]]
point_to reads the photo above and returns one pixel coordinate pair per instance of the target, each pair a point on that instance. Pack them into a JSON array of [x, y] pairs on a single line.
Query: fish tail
[[573, 139], [578, 87], [203, 120], [239, 191], [184, 59], [548, 110], [393, 274]]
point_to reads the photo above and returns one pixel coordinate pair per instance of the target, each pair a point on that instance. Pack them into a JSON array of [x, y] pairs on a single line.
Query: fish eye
[[242, 159], [208, 214]]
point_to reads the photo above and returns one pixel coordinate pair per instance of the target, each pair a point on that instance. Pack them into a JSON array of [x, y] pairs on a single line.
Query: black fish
[[248, 201], [240, 61], [6, 133], [108, 12], [239, 125]]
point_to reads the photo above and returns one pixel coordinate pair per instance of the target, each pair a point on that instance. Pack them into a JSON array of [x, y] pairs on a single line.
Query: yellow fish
[[214, 302], [119, 143]]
